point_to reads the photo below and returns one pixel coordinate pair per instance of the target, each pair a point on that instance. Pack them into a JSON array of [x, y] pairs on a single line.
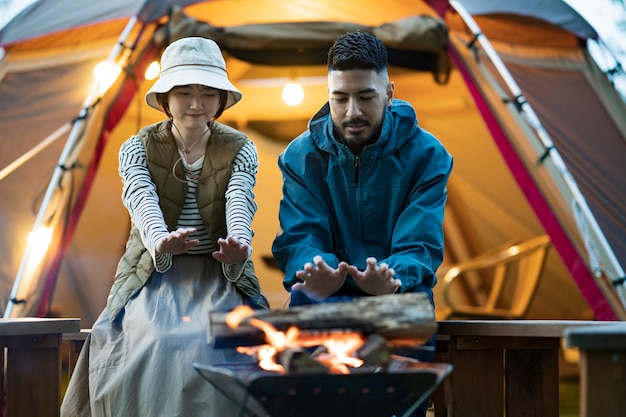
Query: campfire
[[323, 359], [285, 352]]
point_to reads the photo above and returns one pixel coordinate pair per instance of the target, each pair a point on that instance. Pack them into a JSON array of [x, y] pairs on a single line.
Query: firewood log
[[406, 318]]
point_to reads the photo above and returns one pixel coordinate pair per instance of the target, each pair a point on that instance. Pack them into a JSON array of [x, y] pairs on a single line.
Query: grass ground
[[569, 397]]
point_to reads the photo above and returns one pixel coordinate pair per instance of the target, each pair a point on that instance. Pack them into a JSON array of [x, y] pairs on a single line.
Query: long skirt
[[143, 366]]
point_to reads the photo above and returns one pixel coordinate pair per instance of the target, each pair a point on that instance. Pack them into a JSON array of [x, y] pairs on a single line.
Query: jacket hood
[[395, 132]]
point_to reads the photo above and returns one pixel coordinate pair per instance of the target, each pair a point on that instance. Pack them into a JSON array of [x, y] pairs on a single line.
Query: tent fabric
[[49, 17], [557, 86], [558, 13], [45, 17], [417, 42], [601, 181], [35, 20], [45, 79]]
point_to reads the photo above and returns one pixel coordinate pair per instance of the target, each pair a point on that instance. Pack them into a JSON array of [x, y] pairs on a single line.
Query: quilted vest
[[136, 265]]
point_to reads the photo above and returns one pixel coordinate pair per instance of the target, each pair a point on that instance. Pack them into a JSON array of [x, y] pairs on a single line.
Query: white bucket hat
[[193, 60]]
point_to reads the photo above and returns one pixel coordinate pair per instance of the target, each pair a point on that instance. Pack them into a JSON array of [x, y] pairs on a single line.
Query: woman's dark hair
[[161, 98], [357, 50], [223, 99]]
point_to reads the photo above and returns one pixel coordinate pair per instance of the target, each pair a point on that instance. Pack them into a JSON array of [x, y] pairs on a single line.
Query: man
[[364, 189]]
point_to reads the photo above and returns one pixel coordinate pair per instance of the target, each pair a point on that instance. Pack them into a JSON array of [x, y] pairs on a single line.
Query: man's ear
[[390, 92]]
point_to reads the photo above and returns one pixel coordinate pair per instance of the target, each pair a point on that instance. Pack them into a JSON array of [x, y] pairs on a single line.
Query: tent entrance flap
[[417, 42], [599, 254]]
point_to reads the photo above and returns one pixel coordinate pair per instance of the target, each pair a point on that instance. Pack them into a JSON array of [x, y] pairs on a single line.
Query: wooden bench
[[74, 343], [500, 367], [518, 359], [602, 368], [31, 376]]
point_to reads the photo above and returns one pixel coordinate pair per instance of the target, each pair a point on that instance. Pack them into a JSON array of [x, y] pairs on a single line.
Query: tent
[[537, 131]]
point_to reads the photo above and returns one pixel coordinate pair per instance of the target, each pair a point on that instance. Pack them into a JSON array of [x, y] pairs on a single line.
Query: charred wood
[[299, 361]]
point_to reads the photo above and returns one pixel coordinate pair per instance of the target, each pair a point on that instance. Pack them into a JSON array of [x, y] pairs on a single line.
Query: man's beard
[[357, 143]]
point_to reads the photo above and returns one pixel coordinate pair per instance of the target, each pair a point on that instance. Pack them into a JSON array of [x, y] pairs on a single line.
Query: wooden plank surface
[[33, 376], [597, 336], [501, 367], [540, 328], [36, 325], [476, 383], [32, 371], [602, 368], [74, 342], [532, 382]]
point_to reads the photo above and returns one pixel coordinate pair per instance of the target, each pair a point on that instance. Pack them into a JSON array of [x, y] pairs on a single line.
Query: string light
[[152, 71], [106, 73], [293, 94], [39, 240]]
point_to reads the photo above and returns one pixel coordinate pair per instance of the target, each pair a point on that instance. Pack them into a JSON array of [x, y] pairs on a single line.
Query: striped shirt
[[140, 197]]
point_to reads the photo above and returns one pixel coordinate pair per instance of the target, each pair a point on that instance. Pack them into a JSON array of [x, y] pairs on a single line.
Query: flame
[[340, 345], [340, 348], [236, 316]]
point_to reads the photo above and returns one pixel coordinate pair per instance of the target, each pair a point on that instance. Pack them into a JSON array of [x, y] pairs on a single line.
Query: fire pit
[[404, 385], [307, 376]]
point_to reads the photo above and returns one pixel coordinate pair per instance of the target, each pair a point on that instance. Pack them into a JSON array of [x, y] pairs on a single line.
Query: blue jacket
[[387, 202]]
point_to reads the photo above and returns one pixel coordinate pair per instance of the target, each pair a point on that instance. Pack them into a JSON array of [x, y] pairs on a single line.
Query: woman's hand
[[232, 251], [177, 241]]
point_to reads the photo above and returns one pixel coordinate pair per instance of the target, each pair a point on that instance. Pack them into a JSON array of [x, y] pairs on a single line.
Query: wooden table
[[500, 367], [32, 376], [602, 368]]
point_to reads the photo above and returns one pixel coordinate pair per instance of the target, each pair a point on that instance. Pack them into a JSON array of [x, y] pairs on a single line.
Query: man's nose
[[353, 110]]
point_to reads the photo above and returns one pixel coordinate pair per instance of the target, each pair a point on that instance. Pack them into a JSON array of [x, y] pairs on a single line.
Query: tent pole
[[531, 118], [68, 156]]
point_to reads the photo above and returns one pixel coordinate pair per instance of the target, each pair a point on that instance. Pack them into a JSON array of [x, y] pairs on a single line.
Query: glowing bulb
[[152, 71], [39, 240], [106, 73], [293, 94]]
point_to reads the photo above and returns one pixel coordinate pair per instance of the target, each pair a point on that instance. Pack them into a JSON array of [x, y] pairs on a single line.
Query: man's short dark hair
[[357, 50]]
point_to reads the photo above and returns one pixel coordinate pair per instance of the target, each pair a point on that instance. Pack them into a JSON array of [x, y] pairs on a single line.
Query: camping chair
[[504, 281]]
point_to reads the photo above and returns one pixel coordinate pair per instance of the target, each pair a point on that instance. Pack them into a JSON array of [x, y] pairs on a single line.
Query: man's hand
[[320, 280], [232, 251], [375, 280], [176, 242]]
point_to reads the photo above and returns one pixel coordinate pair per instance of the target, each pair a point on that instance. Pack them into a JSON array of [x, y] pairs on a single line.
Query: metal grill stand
[[403, 385]]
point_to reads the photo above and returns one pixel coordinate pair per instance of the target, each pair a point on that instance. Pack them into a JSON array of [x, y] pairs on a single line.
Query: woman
[[188, 186]]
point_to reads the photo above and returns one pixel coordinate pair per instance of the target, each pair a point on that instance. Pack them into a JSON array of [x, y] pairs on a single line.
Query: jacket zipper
[[357, 166]]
